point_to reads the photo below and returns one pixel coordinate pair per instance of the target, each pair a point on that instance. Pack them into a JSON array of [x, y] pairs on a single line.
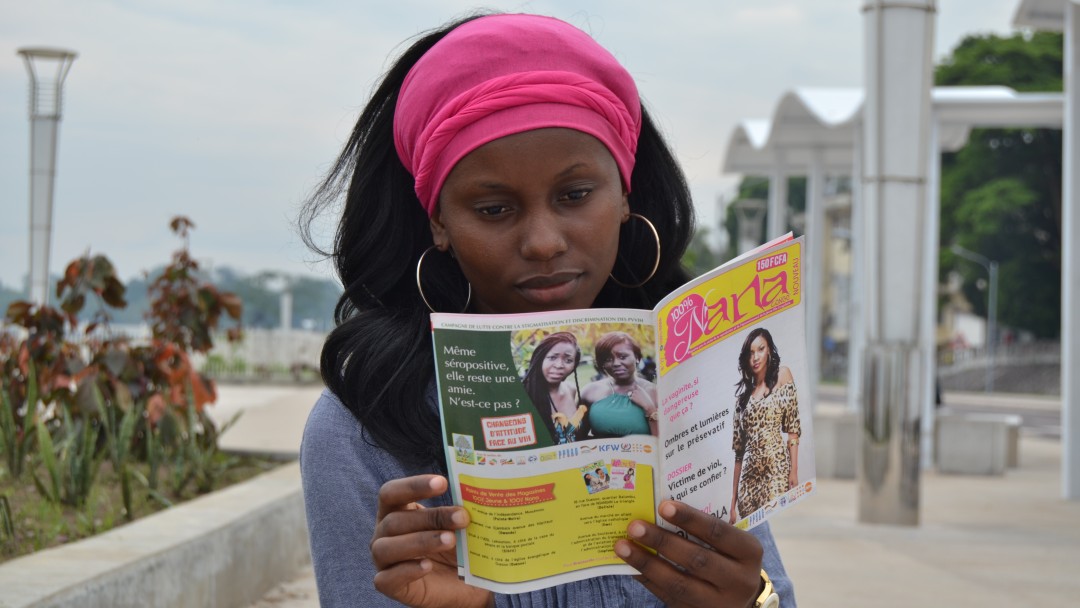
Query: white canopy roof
[[809, 121], [1041, 14]]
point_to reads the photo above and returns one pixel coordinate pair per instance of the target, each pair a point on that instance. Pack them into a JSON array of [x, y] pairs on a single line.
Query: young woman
[[556, 400], [621, 403], [766, 408], [503, 165]]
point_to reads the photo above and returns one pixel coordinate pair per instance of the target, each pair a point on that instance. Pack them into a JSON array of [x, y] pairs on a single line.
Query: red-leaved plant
[[146, 399]]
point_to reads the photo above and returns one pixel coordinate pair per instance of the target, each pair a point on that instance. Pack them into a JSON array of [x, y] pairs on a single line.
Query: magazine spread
[[562, 427]]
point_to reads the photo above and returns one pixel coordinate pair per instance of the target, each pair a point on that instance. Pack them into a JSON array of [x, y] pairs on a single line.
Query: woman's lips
[[548, 289]]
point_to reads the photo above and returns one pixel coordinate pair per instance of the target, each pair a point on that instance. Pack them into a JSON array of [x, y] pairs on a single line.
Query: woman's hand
[[792, 479], [413, 547], [643, 395], [726, 573]]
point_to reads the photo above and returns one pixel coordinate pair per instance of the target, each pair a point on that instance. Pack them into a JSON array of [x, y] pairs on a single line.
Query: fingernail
[[435, 483], [425, 565], [622, 549], [636, 530], [667, 510], [460, 518], [446, 538]]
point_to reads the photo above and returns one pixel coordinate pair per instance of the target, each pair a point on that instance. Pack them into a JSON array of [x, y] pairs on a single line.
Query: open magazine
[[562, 427]]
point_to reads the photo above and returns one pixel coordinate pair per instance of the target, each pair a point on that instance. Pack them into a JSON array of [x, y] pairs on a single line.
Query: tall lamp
[[751, 215], [48, 67], [991, 267]]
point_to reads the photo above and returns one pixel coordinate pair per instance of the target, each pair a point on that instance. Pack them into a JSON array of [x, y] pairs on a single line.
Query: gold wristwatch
[[768, 597]]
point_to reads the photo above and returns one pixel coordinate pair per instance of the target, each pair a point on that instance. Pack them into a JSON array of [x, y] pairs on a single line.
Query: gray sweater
[[342, 473]]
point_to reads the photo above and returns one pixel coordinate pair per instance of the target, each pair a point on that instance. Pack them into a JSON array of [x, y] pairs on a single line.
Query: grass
[[35, 523]]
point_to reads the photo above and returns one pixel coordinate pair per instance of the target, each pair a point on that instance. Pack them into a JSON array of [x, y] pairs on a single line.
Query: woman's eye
[[492, 210], [577, 195]]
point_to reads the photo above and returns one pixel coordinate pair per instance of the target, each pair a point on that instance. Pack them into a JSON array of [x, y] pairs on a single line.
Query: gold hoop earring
[[420, 288], [656, 264]]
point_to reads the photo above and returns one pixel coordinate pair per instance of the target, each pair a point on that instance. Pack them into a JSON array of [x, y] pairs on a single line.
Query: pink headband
[[505, 74]]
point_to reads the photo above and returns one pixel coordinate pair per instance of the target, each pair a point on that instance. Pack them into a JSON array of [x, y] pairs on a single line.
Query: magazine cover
[[561, 428]]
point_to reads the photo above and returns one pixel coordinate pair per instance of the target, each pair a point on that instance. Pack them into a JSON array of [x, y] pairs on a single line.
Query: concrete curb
[[226, 549]]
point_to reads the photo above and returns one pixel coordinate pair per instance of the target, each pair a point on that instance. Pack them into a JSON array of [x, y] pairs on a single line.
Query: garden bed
[[225, 549], [37, 523]]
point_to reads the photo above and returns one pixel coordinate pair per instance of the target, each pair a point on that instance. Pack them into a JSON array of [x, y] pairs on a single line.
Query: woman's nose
[[542, 237]]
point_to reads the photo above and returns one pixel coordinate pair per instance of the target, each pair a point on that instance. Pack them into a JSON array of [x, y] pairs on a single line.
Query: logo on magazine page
[[586, 449], [621, 447], [546, 456], [533, 458], [756, 516], [571, 452]]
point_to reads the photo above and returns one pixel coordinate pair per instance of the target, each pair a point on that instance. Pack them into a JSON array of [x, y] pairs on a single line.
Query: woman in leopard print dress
[[767, 409]]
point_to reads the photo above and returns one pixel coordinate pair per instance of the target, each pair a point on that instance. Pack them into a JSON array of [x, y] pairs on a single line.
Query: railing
[[1039, 351], [264, 355]]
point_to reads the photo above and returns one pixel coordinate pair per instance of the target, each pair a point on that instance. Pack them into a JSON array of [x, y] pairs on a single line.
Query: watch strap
[[768, 597]]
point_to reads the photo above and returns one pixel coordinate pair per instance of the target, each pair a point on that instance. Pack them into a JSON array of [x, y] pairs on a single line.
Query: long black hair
[[378, 360], [534, 382], [745, 385]]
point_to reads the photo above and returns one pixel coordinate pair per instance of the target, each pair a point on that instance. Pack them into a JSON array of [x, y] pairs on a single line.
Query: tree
[[1001, 194]]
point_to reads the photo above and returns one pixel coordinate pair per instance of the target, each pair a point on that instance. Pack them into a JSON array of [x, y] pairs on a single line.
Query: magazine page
[[737, 430], [550, 463]]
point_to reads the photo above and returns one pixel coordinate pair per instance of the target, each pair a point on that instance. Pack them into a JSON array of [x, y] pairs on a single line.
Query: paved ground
[[982, 541], [271, 422]]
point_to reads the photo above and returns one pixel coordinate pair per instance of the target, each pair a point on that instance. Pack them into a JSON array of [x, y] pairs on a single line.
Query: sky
[[230, 112]]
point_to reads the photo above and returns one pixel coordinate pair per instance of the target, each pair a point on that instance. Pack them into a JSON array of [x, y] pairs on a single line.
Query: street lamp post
[[47, 68], [751, 214], [991, 267]]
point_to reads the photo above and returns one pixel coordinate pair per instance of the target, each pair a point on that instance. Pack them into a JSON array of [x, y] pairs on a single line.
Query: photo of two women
[[591, 381]]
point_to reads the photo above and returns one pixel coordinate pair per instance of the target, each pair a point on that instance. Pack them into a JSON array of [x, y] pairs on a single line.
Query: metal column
[[1070, 265], [896, 118]]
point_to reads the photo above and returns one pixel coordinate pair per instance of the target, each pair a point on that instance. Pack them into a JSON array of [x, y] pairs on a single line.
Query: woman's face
[[559, 362], [533, 220], [759, 356], [623, 363]]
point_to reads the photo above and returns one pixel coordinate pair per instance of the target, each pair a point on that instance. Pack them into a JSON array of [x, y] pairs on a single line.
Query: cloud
[[765, 15], [230, 112]]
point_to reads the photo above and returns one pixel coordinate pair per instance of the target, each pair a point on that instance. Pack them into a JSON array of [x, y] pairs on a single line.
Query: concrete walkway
[[271, 418], [982, 541], [271, 422]]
